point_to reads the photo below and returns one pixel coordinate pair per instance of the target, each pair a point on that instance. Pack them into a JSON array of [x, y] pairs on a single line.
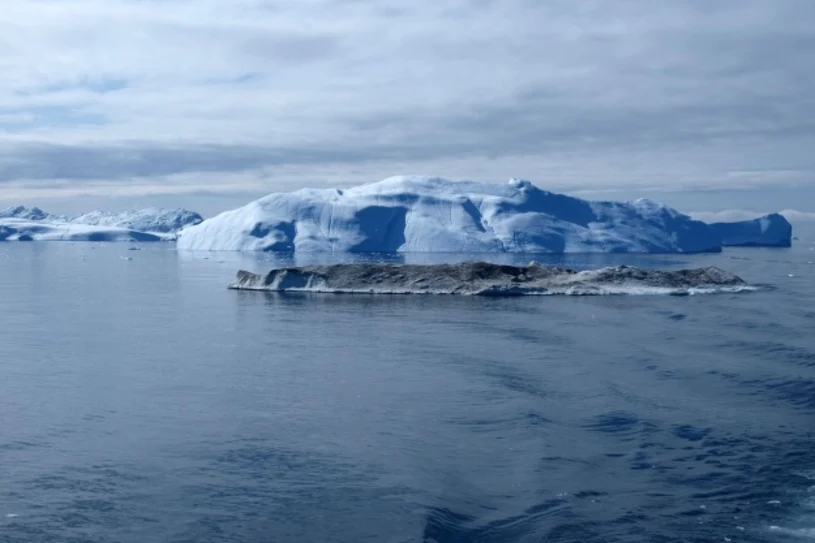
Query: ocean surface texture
[[141, 401]]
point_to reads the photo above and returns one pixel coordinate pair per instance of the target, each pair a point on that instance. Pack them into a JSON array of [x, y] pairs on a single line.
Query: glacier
[[429, 214], [151, 224], [772, 230], [488, 279]]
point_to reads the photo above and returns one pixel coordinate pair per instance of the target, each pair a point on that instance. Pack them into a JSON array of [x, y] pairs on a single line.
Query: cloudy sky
[[705, 104]]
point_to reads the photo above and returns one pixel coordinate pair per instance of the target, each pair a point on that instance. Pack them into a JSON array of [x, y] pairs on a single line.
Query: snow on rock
[[486, 279], [425, 214], [769, 231], [151, 219], [38, 230]]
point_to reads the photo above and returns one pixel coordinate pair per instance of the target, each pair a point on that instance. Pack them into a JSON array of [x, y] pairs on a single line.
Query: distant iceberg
[[486, 279], [425, 214], [151, 219], [152, 224], [29, 213], [769, 231], [27, 230]]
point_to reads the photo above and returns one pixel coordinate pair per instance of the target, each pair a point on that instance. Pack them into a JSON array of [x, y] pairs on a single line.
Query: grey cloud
[[140, 159], [144, 159], [724, 81]]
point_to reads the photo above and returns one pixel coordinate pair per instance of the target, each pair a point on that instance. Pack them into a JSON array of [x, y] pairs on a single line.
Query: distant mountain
[[425, 214]]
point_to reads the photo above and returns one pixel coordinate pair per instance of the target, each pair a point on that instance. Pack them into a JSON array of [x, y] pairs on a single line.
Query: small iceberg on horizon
[[772, 230], [487, 279]]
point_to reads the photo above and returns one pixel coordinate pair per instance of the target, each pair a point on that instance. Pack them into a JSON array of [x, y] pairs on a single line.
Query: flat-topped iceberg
[[772, 230], [486, 279], [151, 224], [425, 214]]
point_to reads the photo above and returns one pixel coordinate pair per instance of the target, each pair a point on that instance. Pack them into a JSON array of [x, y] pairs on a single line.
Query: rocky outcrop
[[482, 278]]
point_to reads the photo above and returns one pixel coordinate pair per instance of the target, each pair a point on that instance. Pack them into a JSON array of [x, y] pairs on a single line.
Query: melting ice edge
[[486, 279]]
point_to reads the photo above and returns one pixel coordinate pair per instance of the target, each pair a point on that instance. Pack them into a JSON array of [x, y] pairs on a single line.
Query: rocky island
[[485, 279]]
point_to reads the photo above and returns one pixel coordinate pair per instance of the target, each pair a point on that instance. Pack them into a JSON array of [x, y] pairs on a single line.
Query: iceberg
[[772, 230], [28, 230], [427, 214], [151, 224], [486, 279], [153, 220], [30, 213]]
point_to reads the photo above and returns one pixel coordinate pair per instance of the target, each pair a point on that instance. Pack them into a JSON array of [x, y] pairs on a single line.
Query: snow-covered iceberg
[[29, 213], [28, 230], [153, 220], [486, 279], [424, 214], [151, 224], [769, 231]]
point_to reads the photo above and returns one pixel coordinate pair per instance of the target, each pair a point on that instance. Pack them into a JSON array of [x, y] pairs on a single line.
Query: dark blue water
[[141, 401]]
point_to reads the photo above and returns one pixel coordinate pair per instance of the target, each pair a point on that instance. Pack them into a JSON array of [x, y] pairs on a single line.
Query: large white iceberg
[[151, 224], [426, 214], [769, 231]]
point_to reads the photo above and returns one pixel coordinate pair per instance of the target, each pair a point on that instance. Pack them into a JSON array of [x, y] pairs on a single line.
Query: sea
[[142, 401]]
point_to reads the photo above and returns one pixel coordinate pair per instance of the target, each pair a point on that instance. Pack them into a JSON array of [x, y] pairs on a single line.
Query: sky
[[708, 105]]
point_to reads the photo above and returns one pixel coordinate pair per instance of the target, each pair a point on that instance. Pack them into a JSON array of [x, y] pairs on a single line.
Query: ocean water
[[142, 401]]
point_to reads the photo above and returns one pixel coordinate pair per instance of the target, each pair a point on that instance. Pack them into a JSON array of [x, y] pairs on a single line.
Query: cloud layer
[[573, 94]]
